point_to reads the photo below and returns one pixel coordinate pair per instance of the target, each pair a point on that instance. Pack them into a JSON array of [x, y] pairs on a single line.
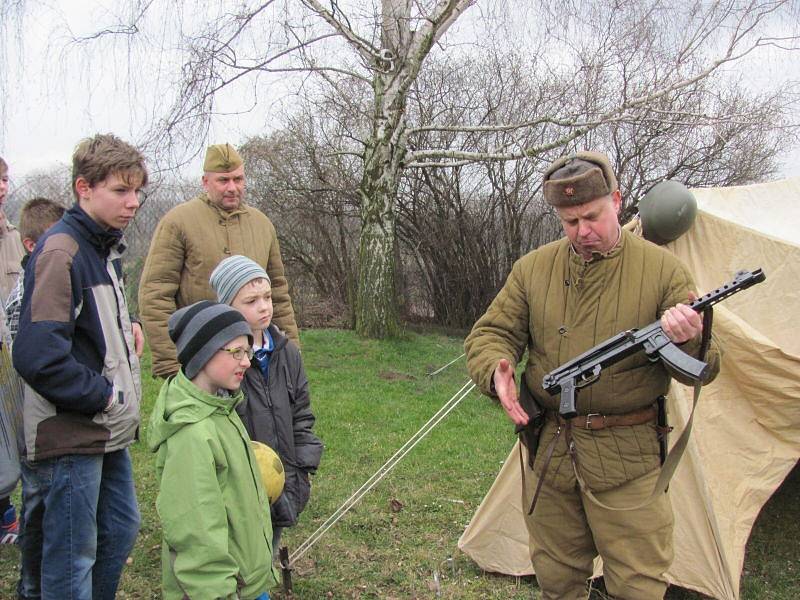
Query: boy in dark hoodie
[[78, 353], [277, 406], [211, 501]]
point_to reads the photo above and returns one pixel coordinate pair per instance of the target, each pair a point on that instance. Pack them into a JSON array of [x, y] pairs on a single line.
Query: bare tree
[[11, 15], [461, 228], [711, 134], [52, 183], [310, 190], [602, 70]]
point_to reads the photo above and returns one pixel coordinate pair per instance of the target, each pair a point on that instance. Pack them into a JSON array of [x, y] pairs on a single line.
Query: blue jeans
[[80, 521]]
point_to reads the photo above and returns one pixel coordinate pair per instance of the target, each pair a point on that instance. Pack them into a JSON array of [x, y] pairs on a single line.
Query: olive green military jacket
[[190, 240], [557, 305]]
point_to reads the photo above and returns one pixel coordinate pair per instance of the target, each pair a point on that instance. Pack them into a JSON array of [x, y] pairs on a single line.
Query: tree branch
[[368, 52]]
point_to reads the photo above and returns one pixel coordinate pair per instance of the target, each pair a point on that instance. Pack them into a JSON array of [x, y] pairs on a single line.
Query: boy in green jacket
[[217, 534]]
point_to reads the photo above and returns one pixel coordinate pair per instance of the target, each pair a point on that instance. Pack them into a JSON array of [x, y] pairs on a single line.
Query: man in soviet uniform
[[559, 301], [192, 238]]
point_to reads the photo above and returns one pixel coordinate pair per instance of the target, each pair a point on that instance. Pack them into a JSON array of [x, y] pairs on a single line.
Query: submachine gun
[[585, 369]]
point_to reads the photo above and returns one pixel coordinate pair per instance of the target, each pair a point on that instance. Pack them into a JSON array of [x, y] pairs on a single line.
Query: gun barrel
[[741, 281]]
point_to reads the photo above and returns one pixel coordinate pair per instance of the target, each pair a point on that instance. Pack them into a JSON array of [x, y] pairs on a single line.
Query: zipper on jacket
[[272, 413], [268, 395]]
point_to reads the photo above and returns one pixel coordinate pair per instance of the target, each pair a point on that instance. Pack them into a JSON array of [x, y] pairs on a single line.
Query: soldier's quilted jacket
[[557, 305], [190, 240]]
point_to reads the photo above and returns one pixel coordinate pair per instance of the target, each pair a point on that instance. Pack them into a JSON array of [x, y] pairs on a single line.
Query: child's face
[[224, 370], [254, 301], [113, 202]]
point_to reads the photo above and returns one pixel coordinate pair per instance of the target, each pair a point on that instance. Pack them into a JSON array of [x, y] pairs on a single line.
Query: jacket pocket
[[299, 489], [282, 511]]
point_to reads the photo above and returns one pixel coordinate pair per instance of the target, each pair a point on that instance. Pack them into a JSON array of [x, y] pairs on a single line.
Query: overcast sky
[[53, 98], [57, 93]]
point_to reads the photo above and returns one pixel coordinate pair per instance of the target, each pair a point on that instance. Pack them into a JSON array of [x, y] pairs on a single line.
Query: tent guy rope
[[379, 474]]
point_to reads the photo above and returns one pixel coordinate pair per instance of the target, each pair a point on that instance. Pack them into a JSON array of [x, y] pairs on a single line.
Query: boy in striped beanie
[[214, 510]]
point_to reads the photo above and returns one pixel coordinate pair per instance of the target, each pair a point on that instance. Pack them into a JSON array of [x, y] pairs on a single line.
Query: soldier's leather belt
[[595, 421]]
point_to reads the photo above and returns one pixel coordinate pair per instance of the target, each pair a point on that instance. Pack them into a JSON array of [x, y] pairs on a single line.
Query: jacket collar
[[224, 214], [278, 338], [223, 402], [101, 238], [5, 224], [598, 256]]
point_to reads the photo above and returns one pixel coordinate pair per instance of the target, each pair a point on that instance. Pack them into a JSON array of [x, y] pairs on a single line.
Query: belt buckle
[[589, 419]]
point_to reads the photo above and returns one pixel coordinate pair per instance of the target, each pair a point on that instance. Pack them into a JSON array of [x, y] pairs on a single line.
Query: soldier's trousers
[[567, 531]]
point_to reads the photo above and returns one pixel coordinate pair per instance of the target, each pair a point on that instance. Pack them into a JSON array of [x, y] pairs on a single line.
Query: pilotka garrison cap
[[221, 158], [579, 178]]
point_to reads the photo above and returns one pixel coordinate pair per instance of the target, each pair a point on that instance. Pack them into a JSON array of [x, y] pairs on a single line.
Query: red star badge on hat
[[569, 191]]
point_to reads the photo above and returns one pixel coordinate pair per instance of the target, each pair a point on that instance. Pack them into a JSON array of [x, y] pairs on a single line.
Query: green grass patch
[[370, 397]]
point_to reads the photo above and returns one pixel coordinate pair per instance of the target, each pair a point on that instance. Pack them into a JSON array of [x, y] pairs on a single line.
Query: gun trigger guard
[[589, 378]]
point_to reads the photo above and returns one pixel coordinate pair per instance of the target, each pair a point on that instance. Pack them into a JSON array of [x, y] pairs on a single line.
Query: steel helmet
[[667, 212], [271, 468]]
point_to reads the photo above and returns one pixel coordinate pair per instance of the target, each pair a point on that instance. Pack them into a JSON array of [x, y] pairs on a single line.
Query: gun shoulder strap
[[674, 456], [545, 465]]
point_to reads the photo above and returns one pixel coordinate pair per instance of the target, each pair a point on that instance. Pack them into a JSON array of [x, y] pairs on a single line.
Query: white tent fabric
[[746, 436]]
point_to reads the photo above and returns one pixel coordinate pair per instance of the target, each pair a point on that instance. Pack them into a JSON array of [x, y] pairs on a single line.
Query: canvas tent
[[746, 435]]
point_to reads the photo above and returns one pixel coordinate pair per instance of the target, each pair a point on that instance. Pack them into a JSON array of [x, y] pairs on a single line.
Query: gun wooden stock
[[585, 369]]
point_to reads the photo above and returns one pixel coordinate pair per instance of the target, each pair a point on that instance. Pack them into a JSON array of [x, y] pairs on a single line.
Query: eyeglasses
[[239, 353]]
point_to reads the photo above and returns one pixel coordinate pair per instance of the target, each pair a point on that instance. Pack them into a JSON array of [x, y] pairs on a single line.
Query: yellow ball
[[271, 467]]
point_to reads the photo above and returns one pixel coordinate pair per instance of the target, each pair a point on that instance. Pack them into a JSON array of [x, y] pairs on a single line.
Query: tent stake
[[286, 570]]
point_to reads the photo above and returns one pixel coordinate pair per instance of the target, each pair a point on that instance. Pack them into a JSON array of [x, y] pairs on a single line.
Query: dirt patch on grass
[[395, 376]]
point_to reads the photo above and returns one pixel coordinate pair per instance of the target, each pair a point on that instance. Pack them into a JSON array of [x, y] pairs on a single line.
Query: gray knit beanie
[[201, 330], [232, 274]]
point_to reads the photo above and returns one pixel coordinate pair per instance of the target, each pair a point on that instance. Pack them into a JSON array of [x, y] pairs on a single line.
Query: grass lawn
[[370, 397]]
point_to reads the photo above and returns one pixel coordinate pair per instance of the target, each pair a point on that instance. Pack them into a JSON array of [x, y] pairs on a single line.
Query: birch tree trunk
[[377, 307], [398, 65]]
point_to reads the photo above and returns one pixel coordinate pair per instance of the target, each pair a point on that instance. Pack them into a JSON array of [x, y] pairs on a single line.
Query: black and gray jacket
[[75, 348], [277, 412]]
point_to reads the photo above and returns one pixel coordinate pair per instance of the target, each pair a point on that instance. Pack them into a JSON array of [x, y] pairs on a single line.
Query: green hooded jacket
[[217, 533]]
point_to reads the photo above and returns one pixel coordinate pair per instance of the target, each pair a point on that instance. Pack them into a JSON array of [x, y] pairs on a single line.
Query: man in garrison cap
[[192, 238], [558, 301]]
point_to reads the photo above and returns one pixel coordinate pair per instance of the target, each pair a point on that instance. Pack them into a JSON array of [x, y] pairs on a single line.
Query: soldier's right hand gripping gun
[[585, 369]]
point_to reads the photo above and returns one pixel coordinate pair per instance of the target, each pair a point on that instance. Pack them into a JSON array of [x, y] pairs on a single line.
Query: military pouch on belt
[[529, 434]]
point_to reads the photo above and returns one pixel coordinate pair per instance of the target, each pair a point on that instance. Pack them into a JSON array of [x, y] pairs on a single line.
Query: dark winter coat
[[75, 346], [277, 412]]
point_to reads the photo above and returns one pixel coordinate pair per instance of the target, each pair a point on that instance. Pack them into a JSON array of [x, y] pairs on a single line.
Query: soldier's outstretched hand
[[506, 389]]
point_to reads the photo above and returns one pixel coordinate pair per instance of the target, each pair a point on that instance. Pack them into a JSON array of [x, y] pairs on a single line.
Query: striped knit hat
[[201, 330], [232, 274]]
